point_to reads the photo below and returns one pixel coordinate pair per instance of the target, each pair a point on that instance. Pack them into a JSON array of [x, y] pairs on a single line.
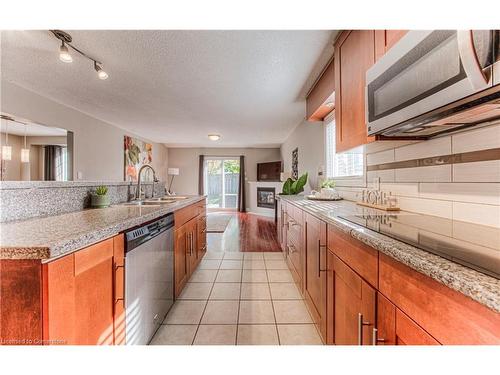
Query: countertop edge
[[481, 288]]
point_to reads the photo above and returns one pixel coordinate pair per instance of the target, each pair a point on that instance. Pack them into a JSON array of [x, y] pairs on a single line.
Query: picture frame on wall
[[137, 153], [295, 164]]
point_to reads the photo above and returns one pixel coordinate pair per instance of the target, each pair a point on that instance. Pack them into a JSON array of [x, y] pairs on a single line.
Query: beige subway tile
[[477, 213], [426, 206], [485, 193], [435, 173], [385, 175], [425, 149], [481, 171], [477, 139], [407, 189], [380, 157]]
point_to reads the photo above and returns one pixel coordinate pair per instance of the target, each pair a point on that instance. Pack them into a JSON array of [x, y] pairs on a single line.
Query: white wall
[[187, 160], [310, 140], [98, 146]]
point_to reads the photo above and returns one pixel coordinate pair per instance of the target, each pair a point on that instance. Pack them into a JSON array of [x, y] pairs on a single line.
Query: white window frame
[[356, 181]]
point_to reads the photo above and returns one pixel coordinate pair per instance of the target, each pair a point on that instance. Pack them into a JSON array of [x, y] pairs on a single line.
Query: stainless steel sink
[[142, 203]]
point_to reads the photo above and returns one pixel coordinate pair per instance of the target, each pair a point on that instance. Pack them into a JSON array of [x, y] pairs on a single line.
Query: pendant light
[[6, 150], [100, 73], [25, 152]]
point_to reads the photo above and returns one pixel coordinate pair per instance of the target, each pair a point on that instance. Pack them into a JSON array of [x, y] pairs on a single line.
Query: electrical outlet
[[79, 175]]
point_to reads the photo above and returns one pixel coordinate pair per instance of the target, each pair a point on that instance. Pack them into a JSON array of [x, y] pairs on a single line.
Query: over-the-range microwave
[[432, 82]]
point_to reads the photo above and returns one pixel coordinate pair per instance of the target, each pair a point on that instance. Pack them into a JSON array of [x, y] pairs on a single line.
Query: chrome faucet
[[138, 193]]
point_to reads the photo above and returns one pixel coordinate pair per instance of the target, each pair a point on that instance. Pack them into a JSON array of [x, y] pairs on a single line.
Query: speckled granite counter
[[476, 285], [52, 236]]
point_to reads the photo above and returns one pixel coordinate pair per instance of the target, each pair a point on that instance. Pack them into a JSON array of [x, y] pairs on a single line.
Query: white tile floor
[[239, 298]]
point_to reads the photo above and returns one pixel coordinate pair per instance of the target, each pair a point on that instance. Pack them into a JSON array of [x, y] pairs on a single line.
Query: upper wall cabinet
[[320, 101], [385, 39], [354, 54]]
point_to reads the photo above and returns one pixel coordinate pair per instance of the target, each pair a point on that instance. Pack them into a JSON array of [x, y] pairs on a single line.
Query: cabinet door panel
[[354, 54], [353, 296], [180, 258], [315, 276]]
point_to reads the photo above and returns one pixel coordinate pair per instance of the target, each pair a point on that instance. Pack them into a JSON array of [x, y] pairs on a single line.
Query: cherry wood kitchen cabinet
[[354, 305], [190, 243], [181, 261], [80, 293], [295, 244], [354, 55], [395, 328], [445, 314], [315, 275], [385, 39]]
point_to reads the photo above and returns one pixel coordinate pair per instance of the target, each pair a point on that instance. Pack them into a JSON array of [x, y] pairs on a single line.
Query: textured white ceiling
[[176, 87]]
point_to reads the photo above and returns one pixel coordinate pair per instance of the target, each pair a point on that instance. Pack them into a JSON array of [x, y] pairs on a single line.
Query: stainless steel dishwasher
[[149, 278]]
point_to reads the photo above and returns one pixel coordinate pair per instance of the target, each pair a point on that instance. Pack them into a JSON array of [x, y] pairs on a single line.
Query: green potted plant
[[294, 187], [100, 198]]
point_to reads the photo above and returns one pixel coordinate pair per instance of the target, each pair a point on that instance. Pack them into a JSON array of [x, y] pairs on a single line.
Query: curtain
[[52, 157], [241, 190], [201, 174]]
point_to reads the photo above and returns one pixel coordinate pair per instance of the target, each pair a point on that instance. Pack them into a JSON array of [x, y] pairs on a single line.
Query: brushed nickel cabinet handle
[[375, 339], [361, 323]]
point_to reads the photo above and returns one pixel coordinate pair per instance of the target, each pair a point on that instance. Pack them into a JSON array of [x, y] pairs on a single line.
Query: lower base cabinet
[[190, 243], [354, 306], [83, 296], [395, 328]]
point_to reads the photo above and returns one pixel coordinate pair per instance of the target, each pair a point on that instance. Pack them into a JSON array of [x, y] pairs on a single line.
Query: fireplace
[[265, 197]]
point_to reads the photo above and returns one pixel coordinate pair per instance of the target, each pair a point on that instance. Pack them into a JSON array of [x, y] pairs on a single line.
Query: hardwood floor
[[246, 233]]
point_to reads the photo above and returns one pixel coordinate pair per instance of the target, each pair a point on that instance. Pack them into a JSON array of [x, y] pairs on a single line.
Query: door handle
[[375, 339], [470, 61], [361, 323]]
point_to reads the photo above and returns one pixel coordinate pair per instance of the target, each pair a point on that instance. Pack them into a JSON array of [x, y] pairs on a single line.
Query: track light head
[[100, 73], [64, 55]]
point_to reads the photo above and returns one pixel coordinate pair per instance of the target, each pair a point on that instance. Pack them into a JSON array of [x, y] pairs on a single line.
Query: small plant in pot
[[294, 187], [100, 198]]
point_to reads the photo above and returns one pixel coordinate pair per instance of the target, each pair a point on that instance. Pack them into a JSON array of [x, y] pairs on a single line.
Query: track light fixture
[[65, 56]]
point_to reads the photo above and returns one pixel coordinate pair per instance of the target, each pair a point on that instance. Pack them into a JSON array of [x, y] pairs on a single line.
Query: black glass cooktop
[[472, 245]]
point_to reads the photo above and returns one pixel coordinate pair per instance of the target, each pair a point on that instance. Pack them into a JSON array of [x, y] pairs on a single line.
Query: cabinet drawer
[[361, 258], [185, 214], [447, 315], [295, 214]]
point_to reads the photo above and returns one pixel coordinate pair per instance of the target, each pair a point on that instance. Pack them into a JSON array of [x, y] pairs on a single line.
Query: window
[[345, 164]]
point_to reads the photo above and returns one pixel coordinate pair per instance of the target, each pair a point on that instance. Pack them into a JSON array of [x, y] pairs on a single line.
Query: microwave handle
[[470, 61]]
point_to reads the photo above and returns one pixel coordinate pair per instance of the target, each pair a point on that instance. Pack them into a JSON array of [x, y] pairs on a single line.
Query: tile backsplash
[[455, 176]]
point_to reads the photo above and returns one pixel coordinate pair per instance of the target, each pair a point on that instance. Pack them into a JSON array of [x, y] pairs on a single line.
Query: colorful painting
[[137, 153]]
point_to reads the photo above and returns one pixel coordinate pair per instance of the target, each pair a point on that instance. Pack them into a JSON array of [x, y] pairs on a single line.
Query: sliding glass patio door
[[222, 182]]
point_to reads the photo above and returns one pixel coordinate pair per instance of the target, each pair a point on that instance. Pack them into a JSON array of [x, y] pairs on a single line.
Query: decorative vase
[[99, 201]]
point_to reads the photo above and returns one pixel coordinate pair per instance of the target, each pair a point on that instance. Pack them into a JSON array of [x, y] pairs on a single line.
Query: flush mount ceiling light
[[65, 56], [214, 137]]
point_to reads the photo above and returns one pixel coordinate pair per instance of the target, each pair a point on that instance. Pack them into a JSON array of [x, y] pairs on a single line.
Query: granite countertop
[[50, 237], [476, 285]]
